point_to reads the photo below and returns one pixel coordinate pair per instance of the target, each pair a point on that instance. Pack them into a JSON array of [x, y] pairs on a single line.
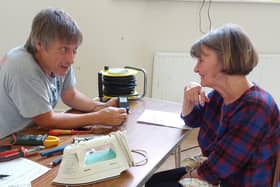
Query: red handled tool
[[58, 132], [7, 153]]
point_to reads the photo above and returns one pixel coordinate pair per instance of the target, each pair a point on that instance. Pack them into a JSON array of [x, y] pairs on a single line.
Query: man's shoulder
[[16, 51], [20, 62]]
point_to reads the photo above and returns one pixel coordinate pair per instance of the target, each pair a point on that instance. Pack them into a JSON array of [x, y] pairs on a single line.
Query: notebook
[[168, 119]]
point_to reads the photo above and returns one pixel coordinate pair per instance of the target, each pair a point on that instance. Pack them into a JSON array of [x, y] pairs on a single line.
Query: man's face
[[57, 57]]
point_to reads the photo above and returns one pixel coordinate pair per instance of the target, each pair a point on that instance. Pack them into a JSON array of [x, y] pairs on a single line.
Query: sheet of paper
[[169, 119], [22, 171]]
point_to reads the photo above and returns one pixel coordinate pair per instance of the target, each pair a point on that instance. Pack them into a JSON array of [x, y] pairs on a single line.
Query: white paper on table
[[169, 119], [22, 172]]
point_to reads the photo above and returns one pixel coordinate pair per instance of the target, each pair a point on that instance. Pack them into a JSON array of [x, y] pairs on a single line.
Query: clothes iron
[[94, 160]]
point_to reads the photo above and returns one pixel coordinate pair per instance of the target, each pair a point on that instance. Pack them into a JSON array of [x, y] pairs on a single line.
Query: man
[[34, 76]]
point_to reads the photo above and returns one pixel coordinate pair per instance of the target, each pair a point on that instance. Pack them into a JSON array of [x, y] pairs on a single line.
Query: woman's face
[[208, 68]]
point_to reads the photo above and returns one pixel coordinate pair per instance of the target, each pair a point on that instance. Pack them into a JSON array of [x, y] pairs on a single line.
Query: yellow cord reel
[[114, 82]]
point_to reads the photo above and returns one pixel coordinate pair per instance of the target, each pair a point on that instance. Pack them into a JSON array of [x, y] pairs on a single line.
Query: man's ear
[[39, 46]]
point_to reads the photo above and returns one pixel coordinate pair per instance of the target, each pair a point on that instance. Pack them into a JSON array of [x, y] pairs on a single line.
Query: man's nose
[[70, 57]]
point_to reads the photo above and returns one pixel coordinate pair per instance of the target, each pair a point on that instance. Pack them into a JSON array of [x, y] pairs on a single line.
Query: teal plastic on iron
[[99, 156]]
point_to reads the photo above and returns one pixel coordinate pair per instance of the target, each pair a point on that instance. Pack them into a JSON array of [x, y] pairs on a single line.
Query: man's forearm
[[79, 101], [66, 120]]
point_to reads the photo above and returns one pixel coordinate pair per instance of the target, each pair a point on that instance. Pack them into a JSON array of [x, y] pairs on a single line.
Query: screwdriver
[[58, 149], [58, 132], [55, 162], [11, 154]]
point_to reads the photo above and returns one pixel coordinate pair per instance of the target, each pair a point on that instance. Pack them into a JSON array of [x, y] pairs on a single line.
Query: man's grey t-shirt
[[26, 91]]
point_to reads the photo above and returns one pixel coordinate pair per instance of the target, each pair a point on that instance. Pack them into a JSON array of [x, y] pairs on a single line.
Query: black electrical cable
[[116, 86], [208, 15], [200, 17]]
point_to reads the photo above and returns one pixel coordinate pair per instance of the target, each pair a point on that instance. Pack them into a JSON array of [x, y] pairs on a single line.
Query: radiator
[[172, 71]]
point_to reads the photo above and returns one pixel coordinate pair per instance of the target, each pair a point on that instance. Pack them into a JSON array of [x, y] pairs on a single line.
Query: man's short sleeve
[[30, 96]]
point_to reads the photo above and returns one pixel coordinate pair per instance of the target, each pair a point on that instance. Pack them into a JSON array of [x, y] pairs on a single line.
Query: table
[[158, 141]]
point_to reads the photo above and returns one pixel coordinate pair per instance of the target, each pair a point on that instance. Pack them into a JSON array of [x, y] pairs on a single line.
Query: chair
[[276, 177]]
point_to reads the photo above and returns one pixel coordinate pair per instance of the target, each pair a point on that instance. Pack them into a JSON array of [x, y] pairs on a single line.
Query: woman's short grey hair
[[51, 24], [234, 49]]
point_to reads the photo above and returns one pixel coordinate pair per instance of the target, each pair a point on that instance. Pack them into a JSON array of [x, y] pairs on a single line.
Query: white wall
[[129, 32], [177, 69]]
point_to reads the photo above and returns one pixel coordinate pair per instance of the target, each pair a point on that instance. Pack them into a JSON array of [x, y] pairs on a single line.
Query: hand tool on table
[[59, 132], [55, 162], [47, 141], [58, 149], [8, 153], [78, 139]]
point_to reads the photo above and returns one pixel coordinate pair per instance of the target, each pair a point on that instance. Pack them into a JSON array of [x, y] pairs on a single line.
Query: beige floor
[[189, 141]]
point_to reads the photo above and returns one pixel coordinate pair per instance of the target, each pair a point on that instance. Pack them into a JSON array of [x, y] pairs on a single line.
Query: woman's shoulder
[[257, 93], [258, 96]]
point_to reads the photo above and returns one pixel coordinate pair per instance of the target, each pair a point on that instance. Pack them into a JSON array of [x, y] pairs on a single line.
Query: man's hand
[[112, 116], [112, 102]]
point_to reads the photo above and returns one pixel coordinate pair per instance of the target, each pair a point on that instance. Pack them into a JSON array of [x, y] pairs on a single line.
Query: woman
[[238, 120]]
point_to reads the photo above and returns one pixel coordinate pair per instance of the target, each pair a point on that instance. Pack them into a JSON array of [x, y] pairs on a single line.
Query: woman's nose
[[195, 69]]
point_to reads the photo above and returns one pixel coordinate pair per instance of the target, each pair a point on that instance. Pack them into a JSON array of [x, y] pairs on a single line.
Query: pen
[[55, 162]]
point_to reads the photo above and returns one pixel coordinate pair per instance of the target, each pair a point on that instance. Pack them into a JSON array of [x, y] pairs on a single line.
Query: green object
[[100, 156], [28, 139]]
